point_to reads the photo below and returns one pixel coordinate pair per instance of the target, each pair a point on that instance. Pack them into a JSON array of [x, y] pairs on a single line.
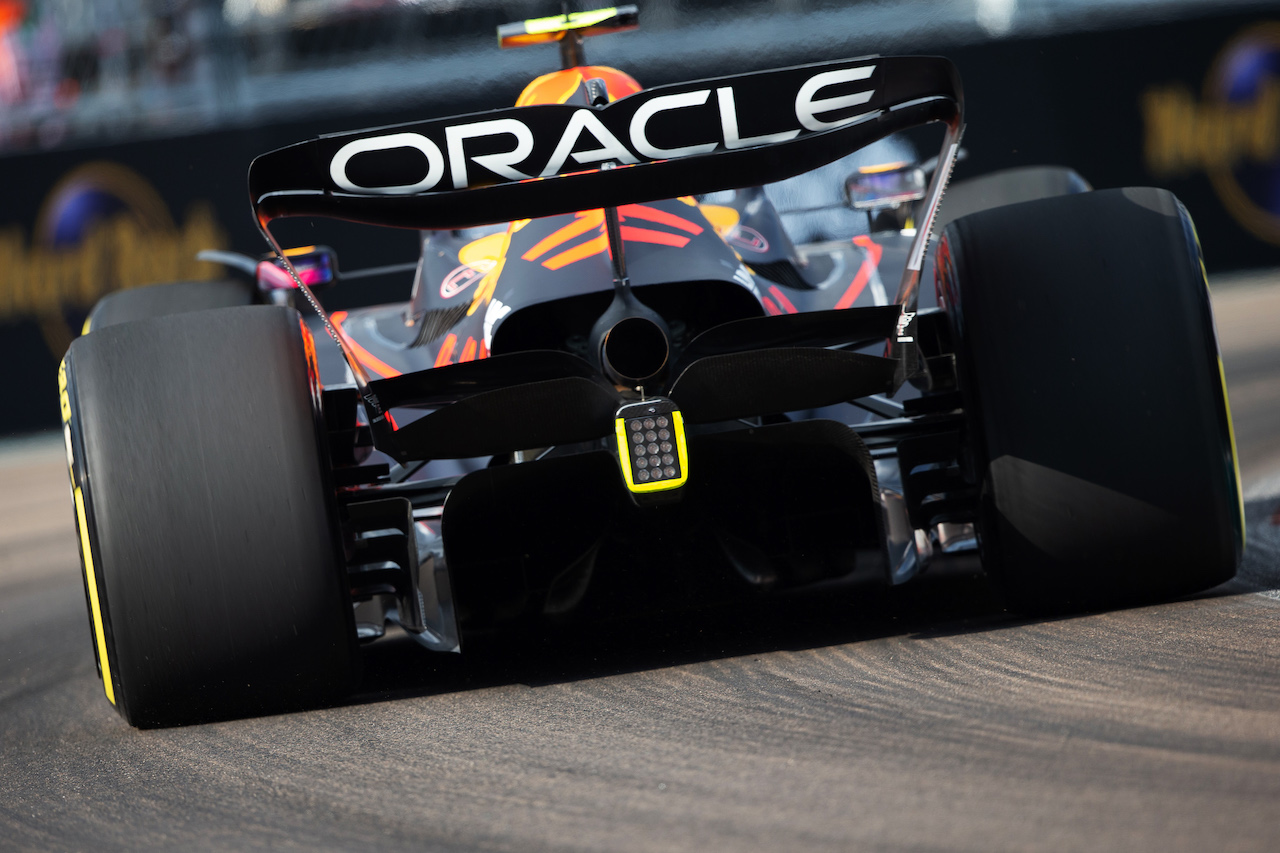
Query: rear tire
[[1008, 186], [208, 531], [159, 300], [1100, 429]]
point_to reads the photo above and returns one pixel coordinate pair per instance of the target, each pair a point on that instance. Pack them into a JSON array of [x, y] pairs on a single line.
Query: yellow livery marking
[[1222, 378], [883, 167], [554, 88], [722, 218], [64, 400], [88, 321], [677, 421], [485, 250], [1235, 457], [624, 450], [98, 633], [493, 247], [573, 21]]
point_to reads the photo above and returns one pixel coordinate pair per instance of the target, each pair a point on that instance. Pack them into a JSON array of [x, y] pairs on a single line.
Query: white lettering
[[729, 124], [904, 322], [492, 316], [807, 107], [610, 148], [743, 276], [435, 162], [640, 120], [500, 163]]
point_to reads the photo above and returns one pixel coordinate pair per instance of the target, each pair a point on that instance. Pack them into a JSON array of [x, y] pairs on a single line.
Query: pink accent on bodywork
[[272, 277]]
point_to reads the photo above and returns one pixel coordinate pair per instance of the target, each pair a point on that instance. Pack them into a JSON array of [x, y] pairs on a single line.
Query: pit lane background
[[1192, 105]]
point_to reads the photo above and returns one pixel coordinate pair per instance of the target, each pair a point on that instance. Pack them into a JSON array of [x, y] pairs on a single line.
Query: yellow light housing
[[651, 446], [593, 23]]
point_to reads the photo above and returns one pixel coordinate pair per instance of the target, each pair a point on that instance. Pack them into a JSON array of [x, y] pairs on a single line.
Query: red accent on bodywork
[[459, 279], [587, 220], [584, 222], [362, 355], [313, 365], [468, 351], [653, 214], [782, 299], [594, 246], [773, 310], [648, 235], [445, 356], [748, 238], [869, 264]]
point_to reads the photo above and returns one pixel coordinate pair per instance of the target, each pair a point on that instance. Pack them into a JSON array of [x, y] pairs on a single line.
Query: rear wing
[[682, 139]]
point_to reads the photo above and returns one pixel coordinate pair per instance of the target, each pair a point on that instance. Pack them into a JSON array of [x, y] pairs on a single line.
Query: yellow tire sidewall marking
[[1235, 457], [100, 636], [86, 552]]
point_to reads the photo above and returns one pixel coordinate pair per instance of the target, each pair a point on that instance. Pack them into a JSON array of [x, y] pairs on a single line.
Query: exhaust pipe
[[631, 341], [634, 351]]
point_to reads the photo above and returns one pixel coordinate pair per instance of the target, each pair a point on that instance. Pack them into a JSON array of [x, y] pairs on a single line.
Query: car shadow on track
[[942, 604], [397, 667]]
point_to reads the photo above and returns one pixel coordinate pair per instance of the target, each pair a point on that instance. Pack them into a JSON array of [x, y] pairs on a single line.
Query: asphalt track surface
[[923, 718]]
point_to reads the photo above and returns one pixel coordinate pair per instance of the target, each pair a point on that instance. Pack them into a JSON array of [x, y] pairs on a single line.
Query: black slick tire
[[159, 300], [1100, 429], [208, 532], [1008, 186]]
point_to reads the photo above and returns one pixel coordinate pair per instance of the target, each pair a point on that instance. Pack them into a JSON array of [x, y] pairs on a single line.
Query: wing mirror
[[873, 188], [317, 266]]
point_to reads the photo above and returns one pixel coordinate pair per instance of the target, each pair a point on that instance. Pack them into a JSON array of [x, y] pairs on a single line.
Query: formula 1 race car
[[641, 387]]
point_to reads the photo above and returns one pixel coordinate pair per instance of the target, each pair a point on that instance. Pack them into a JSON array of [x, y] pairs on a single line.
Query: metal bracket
[[904, 345]]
